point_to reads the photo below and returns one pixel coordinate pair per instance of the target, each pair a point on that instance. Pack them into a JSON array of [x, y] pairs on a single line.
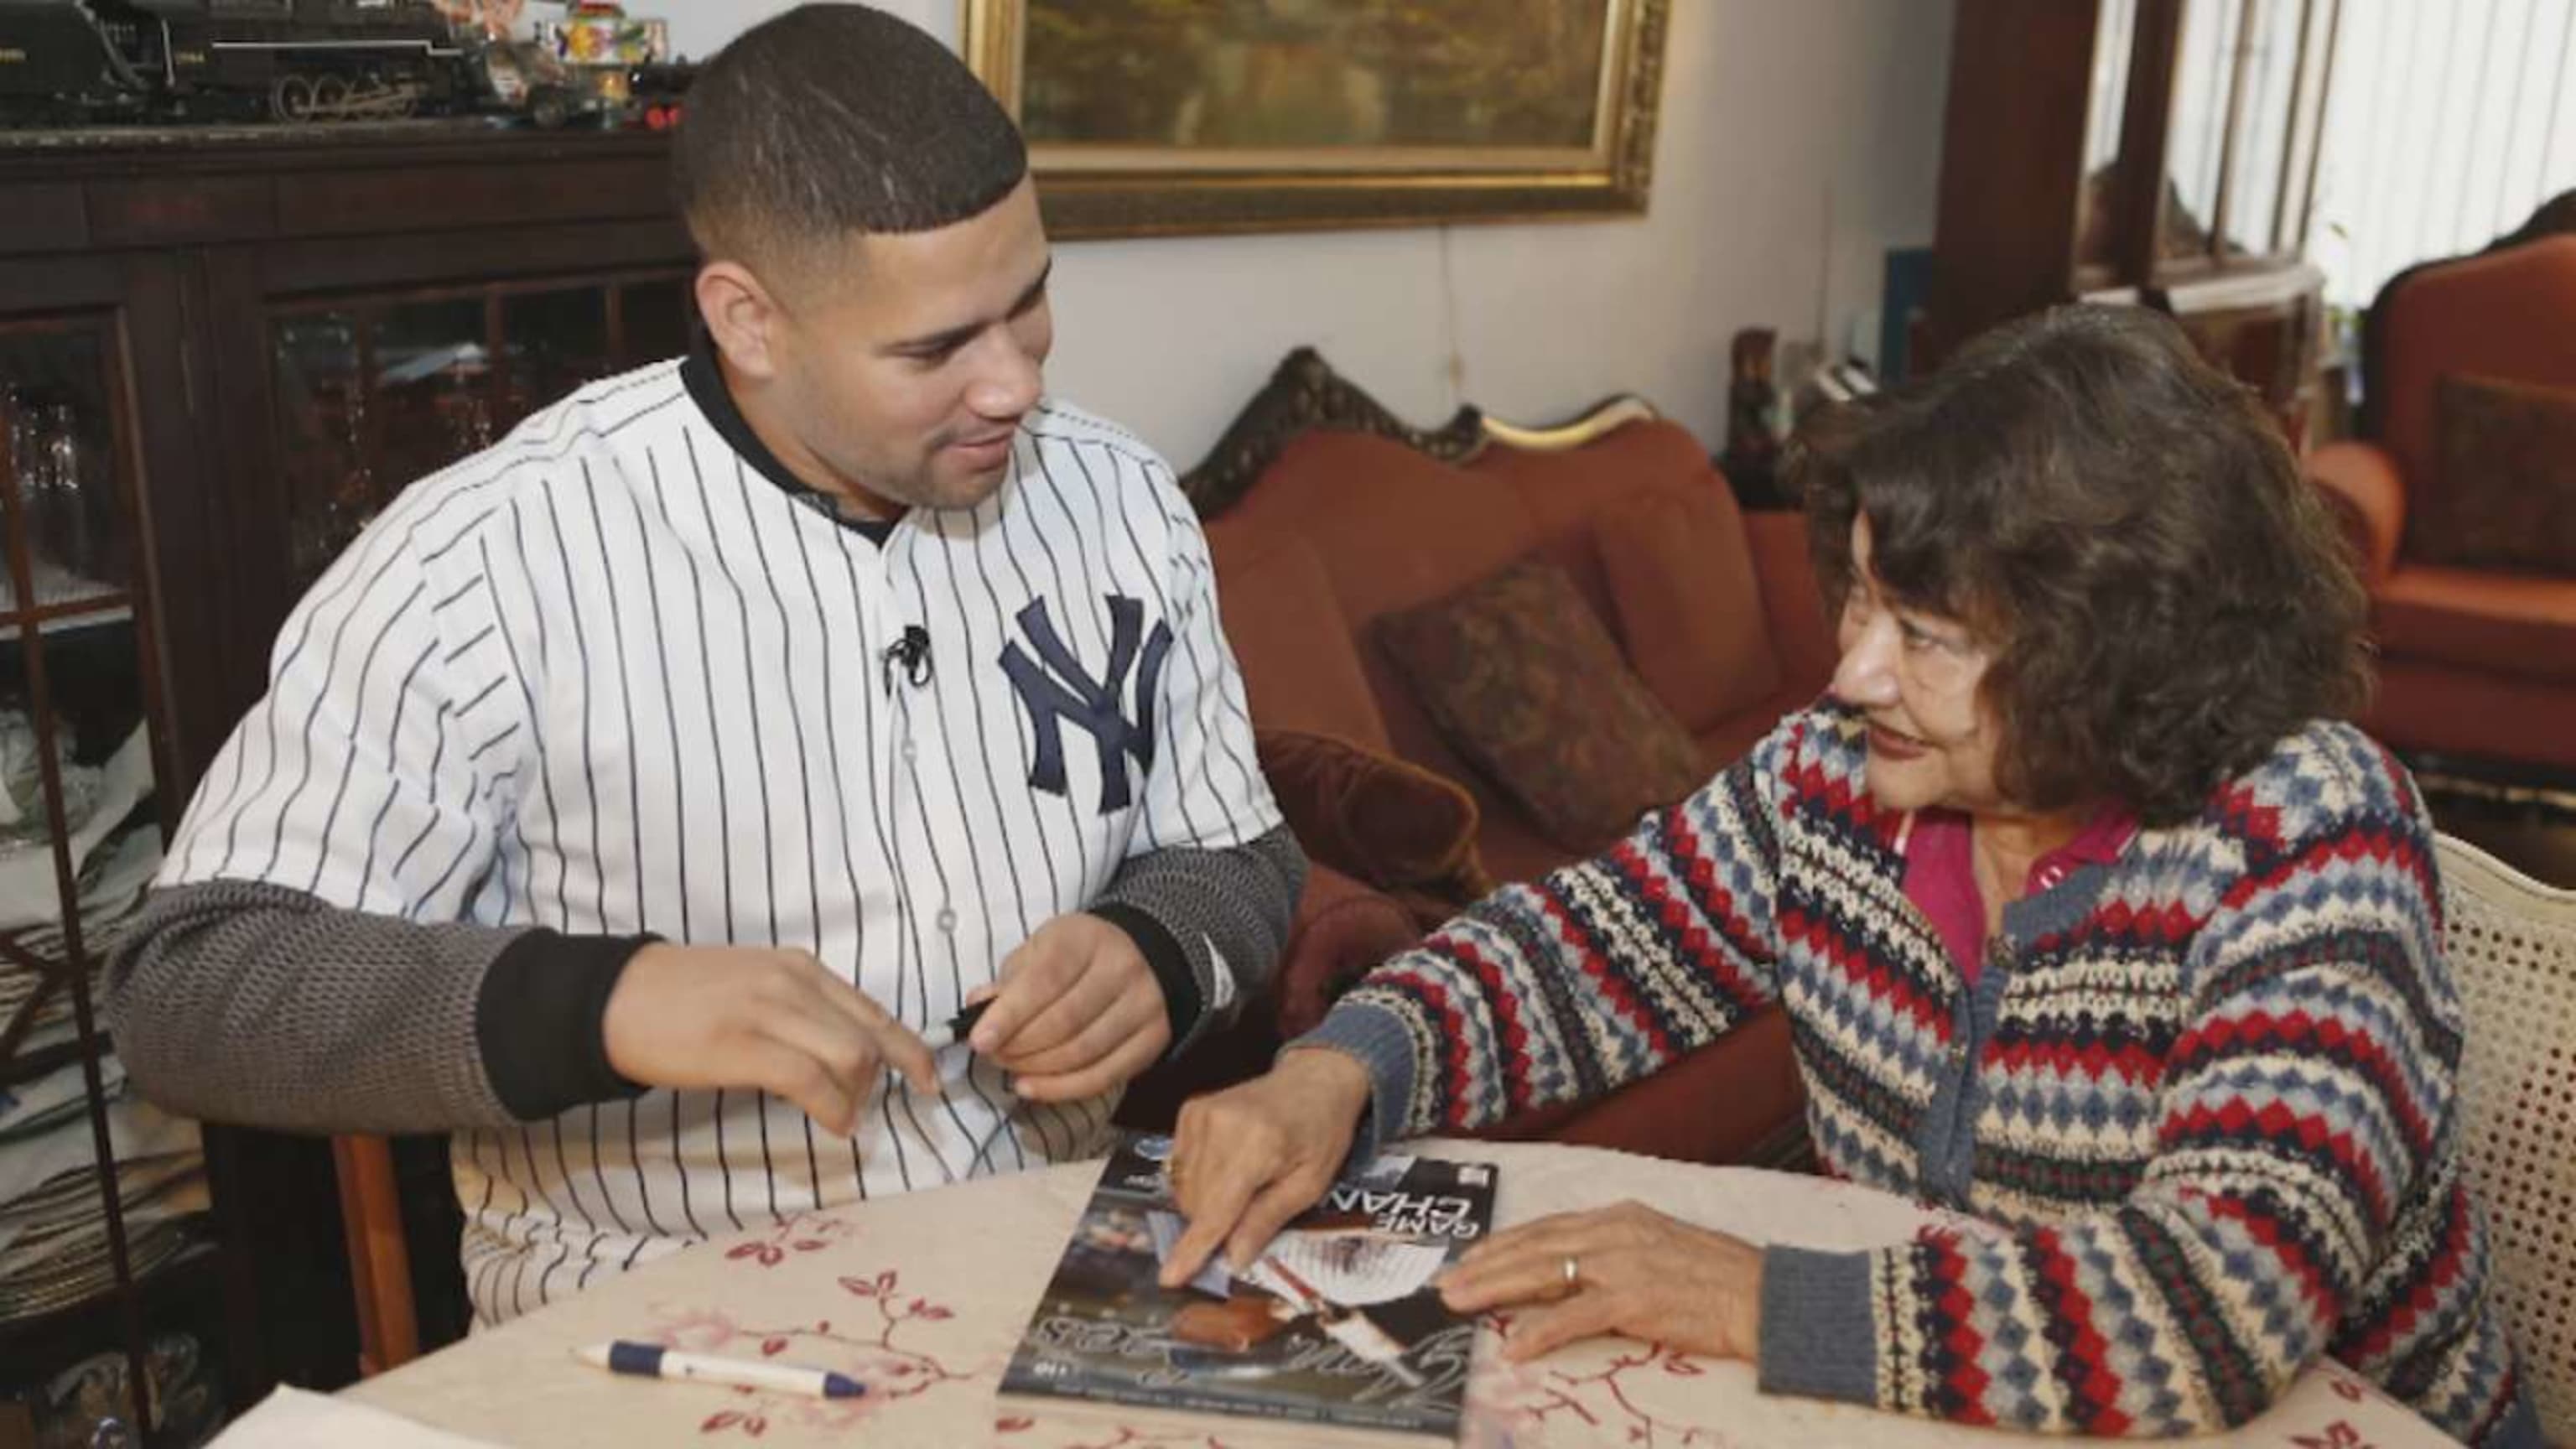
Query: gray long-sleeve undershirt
[[256, 1004]]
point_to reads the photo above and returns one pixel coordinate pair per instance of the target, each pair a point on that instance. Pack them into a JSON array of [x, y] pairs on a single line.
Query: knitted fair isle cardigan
[[2204, 1092]]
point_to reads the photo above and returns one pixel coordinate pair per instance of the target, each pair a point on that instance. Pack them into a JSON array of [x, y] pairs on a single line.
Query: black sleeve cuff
[[538, 1021], [1165, 958]]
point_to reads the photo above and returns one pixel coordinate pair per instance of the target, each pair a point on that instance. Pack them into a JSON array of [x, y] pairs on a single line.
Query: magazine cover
[[1336, 1324]]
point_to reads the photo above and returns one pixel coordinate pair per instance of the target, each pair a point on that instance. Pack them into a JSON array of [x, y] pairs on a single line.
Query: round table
[[923, 1296]]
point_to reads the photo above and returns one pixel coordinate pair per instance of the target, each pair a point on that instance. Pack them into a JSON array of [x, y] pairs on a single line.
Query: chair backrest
[[2508, 314], [379, 1256], [2512, 948]]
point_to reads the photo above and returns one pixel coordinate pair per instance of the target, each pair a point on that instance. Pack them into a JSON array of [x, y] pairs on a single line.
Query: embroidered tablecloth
[[922, 1297]]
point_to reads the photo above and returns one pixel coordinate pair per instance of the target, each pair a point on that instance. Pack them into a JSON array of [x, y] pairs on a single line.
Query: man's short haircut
[[831, 120]]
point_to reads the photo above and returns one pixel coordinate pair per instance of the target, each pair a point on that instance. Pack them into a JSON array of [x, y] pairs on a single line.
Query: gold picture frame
[[1128, 139]]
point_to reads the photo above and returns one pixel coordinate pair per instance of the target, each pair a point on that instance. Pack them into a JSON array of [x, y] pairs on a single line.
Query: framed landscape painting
[[1165, 116]]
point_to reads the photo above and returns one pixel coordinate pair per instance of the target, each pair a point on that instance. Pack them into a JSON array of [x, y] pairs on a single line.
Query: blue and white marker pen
[[652, 1361]]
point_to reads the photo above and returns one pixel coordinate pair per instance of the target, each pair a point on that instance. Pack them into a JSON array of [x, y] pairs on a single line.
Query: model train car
[[80, 61]]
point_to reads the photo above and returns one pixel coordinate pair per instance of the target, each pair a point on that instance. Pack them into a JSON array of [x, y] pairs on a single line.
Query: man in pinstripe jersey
[[630, 797]]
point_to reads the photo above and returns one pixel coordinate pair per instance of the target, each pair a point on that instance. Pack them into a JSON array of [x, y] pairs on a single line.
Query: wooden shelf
[[92, 612], [41, 1339], [26, 1066]]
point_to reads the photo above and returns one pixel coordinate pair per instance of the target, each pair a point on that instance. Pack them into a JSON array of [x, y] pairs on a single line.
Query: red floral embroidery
[[697, 1330], [891, 1371], [797, 1233], [1601, 1399]]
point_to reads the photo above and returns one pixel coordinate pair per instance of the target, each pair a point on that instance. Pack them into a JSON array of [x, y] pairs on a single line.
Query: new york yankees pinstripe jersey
[[618, 675]]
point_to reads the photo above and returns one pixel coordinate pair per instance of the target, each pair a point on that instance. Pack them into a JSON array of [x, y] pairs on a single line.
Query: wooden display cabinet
[[2159, 152], [220, 354]]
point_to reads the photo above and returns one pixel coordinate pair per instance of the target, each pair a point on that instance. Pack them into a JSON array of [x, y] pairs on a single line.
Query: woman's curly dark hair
[[2123, 525]]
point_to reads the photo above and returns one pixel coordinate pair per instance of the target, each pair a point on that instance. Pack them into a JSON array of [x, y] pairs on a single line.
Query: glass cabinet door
[[2196, 137], [2267, 81], [106, 1244], [2249, 87], [2200, 128], [374, 394], [2097, 225]]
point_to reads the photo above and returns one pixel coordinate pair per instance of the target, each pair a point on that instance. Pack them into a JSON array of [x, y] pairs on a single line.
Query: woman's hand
[[1247, 1159], [1634, 1271]]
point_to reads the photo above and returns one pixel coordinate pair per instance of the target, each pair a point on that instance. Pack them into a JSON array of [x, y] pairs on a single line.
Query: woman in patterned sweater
[[2091, 917]]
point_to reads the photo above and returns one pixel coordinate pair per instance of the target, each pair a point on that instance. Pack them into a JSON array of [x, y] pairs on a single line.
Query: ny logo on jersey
[[1057, 690]]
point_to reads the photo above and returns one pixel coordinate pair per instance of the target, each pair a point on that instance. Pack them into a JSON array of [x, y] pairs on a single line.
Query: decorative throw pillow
[[1385, 821], [2504, 494], [1523, 679]]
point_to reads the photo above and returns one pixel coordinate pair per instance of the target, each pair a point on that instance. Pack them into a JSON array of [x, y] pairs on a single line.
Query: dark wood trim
[[149, 438], [2144, 123], [300, 268], [615, 325], [37, 292], [82, 156], [251, 587], [1305, 395], [2011, 192], [149, 196], [497, 374]]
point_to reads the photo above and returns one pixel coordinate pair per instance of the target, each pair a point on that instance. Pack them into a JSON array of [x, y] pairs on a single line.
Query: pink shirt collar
[[1941, 878]]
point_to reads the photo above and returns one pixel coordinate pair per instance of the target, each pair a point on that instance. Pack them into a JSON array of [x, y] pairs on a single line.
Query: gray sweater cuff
[[1217, 917], [1379, 1041], [1817, 1340]]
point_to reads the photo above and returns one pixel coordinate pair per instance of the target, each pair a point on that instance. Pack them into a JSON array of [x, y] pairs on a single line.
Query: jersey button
[[947, 920], [911, 751]]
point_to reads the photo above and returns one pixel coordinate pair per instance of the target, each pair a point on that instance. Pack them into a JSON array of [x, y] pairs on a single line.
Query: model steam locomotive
[[77, 61], [80, 62]]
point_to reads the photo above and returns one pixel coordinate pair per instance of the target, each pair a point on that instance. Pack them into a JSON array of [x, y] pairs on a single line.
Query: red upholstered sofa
[[2473, 663], [1324, 513]]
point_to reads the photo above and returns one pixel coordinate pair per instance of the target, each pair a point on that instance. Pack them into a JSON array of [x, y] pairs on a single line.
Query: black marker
[[955, 1032]]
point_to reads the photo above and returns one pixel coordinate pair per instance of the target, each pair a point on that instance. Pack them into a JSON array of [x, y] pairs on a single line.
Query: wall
[[1800, 139]]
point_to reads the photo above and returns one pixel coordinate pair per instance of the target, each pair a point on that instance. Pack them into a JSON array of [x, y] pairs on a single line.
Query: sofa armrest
[[2362, 481], [1800, 632], [1343, 929], [1382, 821]]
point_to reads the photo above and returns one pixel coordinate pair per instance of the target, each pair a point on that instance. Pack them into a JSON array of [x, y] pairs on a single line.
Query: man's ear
[[743, 318]]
